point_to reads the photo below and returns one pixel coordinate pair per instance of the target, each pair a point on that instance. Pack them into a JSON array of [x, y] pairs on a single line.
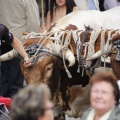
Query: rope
[[102, 45], [90, 45], [77, 40], [32, 35], [64, 48], [106, 48], [42, 8]]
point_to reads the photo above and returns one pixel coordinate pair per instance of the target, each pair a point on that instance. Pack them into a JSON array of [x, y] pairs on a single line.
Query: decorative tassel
[[83, 69], [78, 70]]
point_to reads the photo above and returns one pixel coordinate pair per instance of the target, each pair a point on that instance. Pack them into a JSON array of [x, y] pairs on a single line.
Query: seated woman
[[104, 98], [62, 8]]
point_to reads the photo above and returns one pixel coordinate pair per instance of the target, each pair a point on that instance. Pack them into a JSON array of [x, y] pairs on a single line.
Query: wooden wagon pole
[[42, 8]]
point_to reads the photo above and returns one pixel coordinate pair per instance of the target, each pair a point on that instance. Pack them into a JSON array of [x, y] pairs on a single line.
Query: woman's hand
[[27, 62]]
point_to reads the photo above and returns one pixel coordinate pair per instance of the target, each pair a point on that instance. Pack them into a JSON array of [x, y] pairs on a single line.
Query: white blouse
[[91, 115]]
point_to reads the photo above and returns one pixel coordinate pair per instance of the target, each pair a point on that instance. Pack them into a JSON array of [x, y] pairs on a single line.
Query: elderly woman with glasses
[[104, 98]]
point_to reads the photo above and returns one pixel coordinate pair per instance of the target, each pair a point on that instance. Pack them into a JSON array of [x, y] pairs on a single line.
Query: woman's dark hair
[[69, 5], [108, 77]]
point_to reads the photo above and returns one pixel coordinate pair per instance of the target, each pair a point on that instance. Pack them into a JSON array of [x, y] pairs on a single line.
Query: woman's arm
[[48, 21], [16, 44]]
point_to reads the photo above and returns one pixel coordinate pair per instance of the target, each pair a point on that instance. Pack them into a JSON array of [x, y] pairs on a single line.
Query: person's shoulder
[[117, 109], [1, 26], [85, 114], [3, 29], [48, 13], [76, 8], [115, 113]]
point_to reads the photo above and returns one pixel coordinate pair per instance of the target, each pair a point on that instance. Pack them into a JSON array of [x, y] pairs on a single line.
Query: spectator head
[[69, 6], [104, 92], [32, 103]]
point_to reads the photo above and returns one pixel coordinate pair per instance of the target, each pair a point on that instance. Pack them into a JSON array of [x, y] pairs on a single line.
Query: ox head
[[46, 65], [45, 70]]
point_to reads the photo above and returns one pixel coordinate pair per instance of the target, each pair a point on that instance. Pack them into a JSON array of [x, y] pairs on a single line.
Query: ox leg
[[90, 71], [115, 66], [58, 113], [60, 117]]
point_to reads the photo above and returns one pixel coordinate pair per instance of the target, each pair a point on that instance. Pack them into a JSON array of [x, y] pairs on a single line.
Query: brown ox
[[70, 94]]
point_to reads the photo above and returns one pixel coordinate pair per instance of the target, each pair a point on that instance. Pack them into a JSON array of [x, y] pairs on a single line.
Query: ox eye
[[49, 67]]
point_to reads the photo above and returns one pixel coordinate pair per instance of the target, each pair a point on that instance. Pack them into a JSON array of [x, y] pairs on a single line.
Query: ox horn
[[96, 55], [70, 57], [56, 48], [100, 52], [9, 55]]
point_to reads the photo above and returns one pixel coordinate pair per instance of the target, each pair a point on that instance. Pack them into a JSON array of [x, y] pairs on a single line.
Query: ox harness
[[80, 48], [34, 52], [117, 48], [63, 39]]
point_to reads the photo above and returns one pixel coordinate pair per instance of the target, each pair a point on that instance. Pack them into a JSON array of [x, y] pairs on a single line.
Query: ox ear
[[88, 27]]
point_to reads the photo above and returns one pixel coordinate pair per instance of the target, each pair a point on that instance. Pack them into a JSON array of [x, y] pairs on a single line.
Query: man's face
[[102, 97]]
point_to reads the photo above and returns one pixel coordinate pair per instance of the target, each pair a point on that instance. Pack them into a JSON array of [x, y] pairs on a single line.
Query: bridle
[[36, 51], [80, 47]]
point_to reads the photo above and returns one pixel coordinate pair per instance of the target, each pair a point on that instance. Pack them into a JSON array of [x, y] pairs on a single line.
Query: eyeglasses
[[102, 92]]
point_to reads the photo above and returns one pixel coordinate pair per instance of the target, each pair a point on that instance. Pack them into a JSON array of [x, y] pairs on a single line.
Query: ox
[[71, 94]]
